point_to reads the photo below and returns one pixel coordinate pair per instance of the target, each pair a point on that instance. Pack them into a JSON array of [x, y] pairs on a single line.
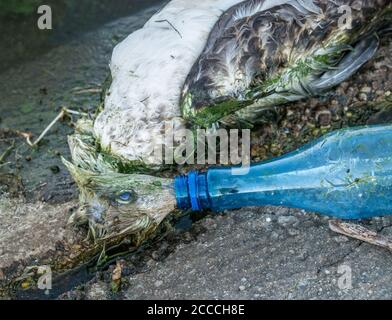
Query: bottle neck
[[191, 191]]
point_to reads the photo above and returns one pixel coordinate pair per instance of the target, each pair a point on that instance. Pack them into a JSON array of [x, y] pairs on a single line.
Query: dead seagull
[[201, 65]]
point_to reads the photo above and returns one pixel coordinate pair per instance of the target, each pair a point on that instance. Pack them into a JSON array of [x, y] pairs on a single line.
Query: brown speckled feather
[[249, 45]]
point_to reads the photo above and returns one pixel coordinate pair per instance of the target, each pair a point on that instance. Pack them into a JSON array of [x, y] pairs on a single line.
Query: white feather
[[149, 69], [256, 6]]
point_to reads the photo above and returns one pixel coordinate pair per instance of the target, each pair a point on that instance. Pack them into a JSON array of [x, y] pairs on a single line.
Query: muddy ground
[[253, 253]]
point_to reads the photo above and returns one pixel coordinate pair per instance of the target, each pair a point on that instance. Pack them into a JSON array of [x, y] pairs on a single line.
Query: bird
[[206, 64]]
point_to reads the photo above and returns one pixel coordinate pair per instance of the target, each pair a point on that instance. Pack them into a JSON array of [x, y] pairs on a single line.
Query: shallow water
[[21, 40]]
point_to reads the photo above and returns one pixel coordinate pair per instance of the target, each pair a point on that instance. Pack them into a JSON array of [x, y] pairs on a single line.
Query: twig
[[360, 233], [175, 29], [77, 113], [4, 164], [38, 187], [7, 152], [88, 90], [35, 143], [64, 112]]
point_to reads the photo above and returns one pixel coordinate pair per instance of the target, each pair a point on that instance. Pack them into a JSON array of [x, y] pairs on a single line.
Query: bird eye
[[125, 197]]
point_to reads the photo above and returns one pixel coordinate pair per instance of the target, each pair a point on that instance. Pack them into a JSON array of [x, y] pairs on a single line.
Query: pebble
[[366, 89], [363, 96], [303, 255], [293, 232], [158, 283], [286, 221], [340, 239], [324, 117], [242, 288], [302, 284], [274, 236], [150, 263]]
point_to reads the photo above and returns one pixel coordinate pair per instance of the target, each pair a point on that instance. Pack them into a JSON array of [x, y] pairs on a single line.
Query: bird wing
[[256, 42]]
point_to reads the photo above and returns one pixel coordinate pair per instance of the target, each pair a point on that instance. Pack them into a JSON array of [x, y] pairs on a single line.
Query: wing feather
[[258, 39]]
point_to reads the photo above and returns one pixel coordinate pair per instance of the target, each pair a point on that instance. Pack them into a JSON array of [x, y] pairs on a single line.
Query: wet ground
[[259, 253], [21, 40]]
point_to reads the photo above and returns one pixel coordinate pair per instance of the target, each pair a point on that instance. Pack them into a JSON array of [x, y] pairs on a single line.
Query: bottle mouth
[[190, 191], [182, 193]]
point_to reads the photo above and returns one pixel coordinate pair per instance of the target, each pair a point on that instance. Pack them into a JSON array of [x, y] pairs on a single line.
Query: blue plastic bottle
[[345, 174]]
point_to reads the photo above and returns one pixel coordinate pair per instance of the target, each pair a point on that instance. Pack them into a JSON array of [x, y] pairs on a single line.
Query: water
[[21, 40]]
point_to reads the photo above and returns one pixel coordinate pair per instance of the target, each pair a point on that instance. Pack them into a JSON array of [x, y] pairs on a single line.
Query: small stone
[[366, 89], [242, 288], [324, 117], [387, 93], [303, 255], [363, 97], [25, 285], [150, 263], [293, 232], [274, 236], [158, 283], [286, 221], [302, 284], [315, 132], [357, 5], [340, 239]]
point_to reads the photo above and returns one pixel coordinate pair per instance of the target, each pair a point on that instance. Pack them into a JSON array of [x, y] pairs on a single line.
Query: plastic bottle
[[345, 174]]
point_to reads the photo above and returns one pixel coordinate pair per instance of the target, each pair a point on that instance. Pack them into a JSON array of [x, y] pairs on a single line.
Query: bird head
[[113, 203]]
